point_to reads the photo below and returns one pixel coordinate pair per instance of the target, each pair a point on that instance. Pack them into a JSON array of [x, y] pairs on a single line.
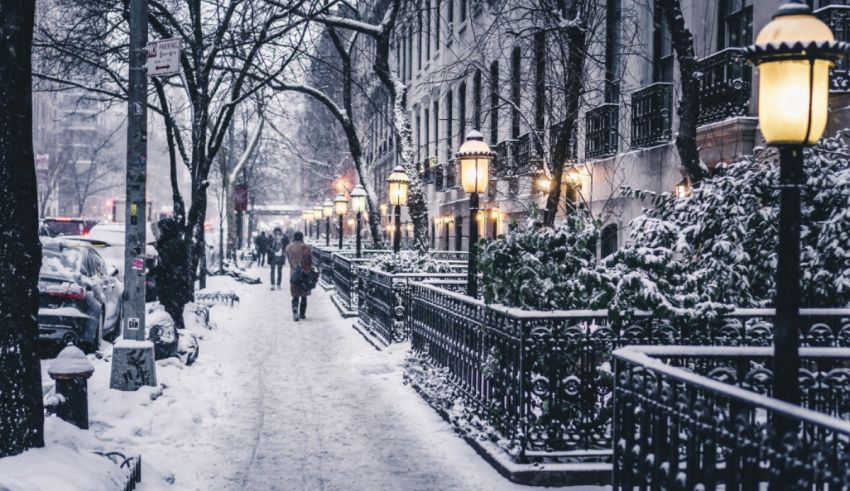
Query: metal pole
[[786, 340], [472, 267], [340, 232], [397, 231], [328, 231], [133, 363], [358, 247]]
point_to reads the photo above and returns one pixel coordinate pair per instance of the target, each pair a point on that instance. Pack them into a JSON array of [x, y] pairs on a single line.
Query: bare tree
[[21, 407]]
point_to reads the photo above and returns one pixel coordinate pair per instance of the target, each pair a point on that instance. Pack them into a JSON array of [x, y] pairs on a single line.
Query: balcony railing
[[528, 155], [602, 134], [503, 166], [701, 418], [651, 115], [837, 17], [439, 177], [543, 379], [427, 166], [450, 174], [554, 130], [725, 87]]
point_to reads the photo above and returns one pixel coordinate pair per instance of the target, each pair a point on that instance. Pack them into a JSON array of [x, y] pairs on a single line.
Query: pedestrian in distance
[[277, 247], [261, 242], [300, 257]]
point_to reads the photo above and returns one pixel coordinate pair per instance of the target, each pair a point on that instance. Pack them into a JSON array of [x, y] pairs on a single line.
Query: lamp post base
[[133, 365]]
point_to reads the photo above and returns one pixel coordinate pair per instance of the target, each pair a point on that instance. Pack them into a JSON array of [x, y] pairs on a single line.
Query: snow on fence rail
[[543, 380], [701, 418]]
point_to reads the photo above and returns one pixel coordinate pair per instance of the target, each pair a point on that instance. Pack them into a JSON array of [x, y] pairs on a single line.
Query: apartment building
[[488, 66]]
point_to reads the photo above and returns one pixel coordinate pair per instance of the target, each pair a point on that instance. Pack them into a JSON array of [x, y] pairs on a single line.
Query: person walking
[[261, 242], [300, 257], [277, 248]]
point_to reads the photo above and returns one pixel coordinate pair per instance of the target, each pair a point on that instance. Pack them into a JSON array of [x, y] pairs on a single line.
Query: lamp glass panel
[[784, 102], [474, 174], [358, 203]]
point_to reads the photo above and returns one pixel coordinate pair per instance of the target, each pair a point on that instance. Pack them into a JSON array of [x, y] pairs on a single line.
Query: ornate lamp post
[[474, 157], [794, 53], [397, 185], [327, 211], [307, 216], [317, 217], [341, 208], [358, 205]]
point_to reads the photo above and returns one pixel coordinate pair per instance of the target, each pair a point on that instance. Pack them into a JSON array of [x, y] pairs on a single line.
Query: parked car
[[60, 226], [108, 239], [80, 297]]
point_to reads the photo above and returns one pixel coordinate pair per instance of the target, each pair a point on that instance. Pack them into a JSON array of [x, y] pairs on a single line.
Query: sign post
[[133, 355]]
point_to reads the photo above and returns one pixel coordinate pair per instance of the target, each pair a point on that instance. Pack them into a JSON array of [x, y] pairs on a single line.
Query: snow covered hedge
[[408, 262], [697, 256]]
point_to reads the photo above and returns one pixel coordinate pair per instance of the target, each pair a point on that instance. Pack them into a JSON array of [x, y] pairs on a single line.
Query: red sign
[[240, 197]]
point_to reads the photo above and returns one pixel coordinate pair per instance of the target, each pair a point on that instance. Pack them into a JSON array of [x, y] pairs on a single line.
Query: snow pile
[[408, 262], [695, 256], [60, 467]]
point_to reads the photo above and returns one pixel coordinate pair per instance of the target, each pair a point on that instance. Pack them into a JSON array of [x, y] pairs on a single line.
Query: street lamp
[[307, 216], [341, 208], [397, 186], [317, 218], [793, 53], [358, 205], [474, 157], [327, 211]]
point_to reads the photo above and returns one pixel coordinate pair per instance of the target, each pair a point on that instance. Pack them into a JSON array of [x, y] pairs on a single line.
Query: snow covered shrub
[[542, 268], [408, 262], [695, 256]]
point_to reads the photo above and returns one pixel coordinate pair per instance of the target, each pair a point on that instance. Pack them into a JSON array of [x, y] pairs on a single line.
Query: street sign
[[163, 57]]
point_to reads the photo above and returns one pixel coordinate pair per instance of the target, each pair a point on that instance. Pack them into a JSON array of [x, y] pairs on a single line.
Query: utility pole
[[133, 356]]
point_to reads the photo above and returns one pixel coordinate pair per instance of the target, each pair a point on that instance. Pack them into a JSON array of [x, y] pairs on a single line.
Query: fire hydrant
[[71, 371]]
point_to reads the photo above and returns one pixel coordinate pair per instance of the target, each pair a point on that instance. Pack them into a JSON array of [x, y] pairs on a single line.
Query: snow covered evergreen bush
[[408, 262], [697, 256]]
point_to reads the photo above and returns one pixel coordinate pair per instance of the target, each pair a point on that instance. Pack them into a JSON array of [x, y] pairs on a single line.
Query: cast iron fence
[[544, 379], [528, 155], [384, 301], [602, 133], [689, 417], [651, 115], [503, 164], [725, 87]]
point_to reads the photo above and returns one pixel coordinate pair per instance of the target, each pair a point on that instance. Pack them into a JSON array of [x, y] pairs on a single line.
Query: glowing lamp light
[[683, 189], [384, 207], [544, 184], [397, 186], [358, 199], [307, 215], [794, 53], [341, 205], [350, 222], [474, 157], [327, 209], [317, 212]]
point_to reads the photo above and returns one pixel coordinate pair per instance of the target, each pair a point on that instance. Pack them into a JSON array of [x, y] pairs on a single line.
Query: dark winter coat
[[299, 255], [277, 249]]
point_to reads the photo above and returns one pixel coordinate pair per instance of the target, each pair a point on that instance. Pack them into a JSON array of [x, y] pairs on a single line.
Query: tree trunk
[[21, 409], [688, 106]]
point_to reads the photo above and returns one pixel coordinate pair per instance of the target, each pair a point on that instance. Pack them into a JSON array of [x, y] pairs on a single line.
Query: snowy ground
[[275, 404]]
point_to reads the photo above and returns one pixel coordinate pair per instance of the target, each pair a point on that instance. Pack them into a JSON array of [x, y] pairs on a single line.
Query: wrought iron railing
[[702, 418], [543, 380], [837, 17], [651, 115], [528, 155], [323, 257], [725, 87], [601, 132], [384, 301], [439, 177], [503, 165], [346, 280]]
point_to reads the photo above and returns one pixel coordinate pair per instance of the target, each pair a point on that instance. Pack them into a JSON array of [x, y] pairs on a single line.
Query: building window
[[494, 102], [450, 14], [662, 52], [427, 29], [608, 240], [419, 37], [461, 112], [410, 52], [539, 78], [437, 17], [418, 136], [427, 129], [436, 128], [516, 61], [449, 129], [463, 10], [476, 100], [458, 233], [736, 23], [612, 50]]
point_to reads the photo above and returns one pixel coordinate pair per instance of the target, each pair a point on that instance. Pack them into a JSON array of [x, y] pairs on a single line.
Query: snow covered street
[[272, 404]]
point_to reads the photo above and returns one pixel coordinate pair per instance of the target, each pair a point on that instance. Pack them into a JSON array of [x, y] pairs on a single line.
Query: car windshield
[[56, 262], [63, 227]]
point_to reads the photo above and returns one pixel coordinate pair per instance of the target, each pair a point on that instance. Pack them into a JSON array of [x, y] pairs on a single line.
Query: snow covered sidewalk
[[274, 404]]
